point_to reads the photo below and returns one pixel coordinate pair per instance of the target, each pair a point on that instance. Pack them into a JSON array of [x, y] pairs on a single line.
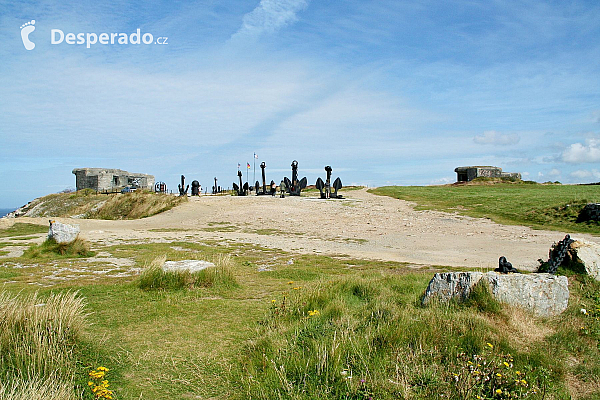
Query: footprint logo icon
[[26, 29]]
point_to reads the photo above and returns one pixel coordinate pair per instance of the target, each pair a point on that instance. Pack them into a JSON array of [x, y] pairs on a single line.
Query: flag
[[256, 156], [248, 165], [239, 165]]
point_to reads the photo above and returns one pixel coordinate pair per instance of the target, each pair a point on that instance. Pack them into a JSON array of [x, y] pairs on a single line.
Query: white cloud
[[580, 153], [584, 174], [497, 138], [554, 172], [270, 16], [442, 181]]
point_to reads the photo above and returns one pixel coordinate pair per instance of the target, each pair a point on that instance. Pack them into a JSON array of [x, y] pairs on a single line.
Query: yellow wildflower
[[491, 345], [498, 391]]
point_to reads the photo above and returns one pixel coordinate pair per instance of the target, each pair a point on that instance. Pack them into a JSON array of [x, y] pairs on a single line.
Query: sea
[[4, 211]]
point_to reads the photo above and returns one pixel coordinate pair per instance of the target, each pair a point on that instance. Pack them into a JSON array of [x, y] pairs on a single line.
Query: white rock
[[543, 294], [190, 265], [62, 233], [588, 254]]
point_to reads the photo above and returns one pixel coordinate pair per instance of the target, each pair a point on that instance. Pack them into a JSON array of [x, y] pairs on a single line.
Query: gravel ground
[[362, 226]]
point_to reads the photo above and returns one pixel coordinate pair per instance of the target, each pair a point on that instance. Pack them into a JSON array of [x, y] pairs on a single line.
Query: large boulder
[[588, 254], [451, 285], [187, 265], [543, 294], [62, 233]]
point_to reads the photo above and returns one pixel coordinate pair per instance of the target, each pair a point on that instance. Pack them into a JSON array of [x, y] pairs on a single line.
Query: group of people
[[282, 189]]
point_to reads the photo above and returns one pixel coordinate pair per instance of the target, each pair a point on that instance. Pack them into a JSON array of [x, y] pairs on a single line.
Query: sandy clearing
[[362, 226]]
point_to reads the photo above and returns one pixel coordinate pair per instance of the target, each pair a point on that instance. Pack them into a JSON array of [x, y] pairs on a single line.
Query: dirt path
[[361, 226]]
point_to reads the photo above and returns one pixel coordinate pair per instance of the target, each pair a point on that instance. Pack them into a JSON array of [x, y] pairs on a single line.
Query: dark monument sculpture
[[160, 187], [241, 190], [264, 190], [325, 187], [181, 191], [591, 212], [557, 255], [195, 188], [294, 186], [505, 267], [215, 188]]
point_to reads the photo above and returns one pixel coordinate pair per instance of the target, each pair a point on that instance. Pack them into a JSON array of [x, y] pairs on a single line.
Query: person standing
[[282, 188]]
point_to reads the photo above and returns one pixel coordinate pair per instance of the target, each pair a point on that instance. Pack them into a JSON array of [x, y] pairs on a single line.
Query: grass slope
[[87, 204], [553, 207]]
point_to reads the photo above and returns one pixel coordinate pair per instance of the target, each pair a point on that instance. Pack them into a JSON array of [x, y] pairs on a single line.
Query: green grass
[[229, 340], [23, 238], [367, 336], [23, 229], [221, 228], [169, 230], [553, 207], [7, 273]]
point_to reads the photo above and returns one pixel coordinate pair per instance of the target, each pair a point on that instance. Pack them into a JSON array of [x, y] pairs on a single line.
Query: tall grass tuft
[[155, 277], [51, 249], [38, 337], [36, 389]]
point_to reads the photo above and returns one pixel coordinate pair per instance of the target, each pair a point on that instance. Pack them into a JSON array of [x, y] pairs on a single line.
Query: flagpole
[[247, 176], [254, 162]]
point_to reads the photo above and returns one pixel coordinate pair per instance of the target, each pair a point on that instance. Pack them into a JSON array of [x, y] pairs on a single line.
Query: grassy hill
[[540, 206], [89, 204]]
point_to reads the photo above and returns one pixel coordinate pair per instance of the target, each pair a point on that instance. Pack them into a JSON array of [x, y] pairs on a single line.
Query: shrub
[[51, 249]]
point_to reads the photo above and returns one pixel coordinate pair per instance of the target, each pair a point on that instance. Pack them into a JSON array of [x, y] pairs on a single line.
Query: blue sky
[[386, 92]]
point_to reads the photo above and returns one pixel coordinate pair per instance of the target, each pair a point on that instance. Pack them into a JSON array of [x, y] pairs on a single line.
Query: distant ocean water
[[4, 211]]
